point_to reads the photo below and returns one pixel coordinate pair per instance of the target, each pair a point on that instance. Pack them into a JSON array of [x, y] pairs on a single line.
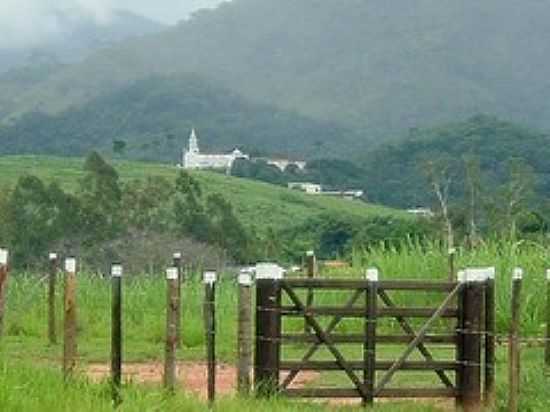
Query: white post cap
[[491, 273], [70, 265], [452, 251], [116, 270], [209, 278], [172, 274], [548, 274], [476, 274], [461, 276], [517, 274], [177, 255], [245, 277], [372, 275], [52, 256], [4, 256], [269, 271], [310, 253]]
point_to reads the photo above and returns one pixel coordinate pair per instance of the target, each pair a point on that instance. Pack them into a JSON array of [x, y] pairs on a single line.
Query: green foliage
[[151, 120], [336, 236], [334, 174], [394, 173]]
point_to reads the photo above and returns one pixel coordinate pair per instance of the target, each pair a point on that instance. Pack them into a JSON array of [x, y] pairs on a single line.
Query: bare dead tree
[[439, 170]]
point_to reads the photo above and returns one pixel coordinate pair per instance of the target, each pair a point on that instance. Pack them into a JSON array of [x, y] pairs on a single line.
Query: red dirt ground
[[192, 376]]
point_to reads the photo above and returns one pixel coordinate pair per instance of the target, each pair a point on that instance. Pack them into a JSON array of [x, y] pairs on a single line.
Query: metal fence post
[[369, 347], [490, 330]]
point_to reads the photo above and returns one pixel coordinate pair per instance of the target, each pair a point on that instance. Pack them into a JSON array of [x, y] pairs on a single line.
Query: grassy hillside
[[256, 203], [376, 65]]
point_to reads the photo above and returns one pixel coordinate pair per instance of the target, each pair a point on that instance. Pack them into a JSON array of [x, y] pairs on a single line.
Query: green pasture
[[24, 351], [256, 204]]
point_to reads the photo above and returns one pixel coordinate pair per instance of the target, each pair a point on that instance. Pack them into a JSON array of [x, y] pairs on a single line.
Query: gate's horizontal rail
[[357, 338], [385, 393], [362, 284], [360, 365], [359, 312]]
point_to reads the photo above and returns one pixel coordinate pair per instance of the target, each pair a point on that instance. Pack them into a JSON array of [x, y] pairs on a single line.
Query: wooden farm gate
[[460, 308]]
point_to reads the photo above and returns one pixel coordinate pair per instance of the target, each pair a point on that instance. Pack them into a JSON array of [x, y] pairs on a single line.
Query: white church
[[194, 159]]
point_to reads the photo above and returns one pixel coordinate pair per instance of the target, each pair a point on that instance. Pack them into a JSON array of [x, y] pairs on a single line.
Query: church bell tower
[[193, 142]]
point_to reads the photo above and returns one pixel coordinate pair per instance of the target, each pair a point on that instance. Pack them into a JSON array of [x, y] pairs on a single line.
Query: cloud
[[25, 23]]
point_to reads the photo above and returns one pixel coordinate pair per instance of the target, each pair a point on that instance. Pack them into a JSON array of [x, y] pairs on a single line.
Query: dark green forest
[[151, 120]]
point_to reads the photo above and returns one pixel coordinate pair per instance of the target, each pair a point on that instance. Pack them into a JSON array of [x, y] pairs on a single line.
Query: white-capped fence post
[[52, 280], [172, 303], [244, 334], [209, 279], [70, 347], [116, 333], [514, 343], [4, 272], [268, 328]]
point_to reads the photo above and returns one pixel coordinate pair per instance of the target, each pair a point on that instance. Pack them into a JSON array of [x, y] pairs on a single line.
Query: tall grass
[[415, 260]]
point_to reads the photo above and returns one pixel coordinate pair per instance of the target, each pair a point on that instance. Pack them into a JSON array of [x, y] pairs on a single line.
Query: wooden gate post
[[244, 334], [70, 347], [472, 307], [547, 340], [116, 333], [4, 271], [52, 279], [209, 280], [490, 330], [172, 303], [369, 347], [514, 343], [452, 269], [176, 262], [268, 330], [311, 273]]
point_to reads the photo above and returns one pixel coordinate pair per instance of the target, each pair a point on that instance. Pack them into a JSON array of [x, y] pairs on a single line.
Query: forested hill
[[397, 173], [151, 119], [380, 66]]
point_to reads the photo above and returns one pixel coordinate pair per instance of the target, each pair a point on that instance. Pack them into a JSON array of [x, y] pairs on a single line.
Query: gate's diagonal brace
[[410, 331], [323, 337], [418, 339], [313, 349]]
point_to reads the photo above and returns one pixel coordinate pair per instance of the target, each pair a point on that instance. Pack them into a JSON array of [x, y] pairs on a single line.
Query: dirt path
[[192, 376]]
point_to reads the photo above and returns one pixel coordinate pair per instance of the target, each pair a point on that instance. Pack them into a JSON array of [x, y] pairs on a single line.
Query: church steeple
[[193, 142]]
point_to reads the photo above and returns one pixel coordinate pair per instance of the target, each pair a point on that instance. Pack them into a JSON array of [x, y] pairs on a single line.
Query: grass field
[[256, 203], [25, 347]]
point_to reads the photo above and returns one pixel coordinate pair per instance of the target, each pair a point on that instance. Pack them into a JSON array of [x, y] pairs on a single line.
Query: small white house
[[309, 188]]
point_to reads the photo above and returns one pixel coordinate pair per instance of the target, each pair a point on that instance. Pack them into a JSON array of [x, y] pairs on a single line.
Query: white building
[[282, 164], [309, 188], [194, 159]]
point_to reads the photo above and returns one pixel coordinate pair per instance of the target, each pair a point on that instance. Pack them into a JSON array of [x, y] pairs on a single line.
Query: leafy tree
[[119, 146], [100, 196]]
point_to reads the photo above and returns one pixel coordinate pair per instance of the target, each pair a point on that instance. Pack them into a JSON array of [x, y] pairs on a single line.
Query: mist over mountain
[[69, 35], [381, 67]]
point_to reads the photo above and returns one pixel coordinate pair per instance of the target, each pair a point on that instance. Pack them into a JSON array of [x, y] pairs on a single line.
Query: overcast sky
[[25, 22]]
